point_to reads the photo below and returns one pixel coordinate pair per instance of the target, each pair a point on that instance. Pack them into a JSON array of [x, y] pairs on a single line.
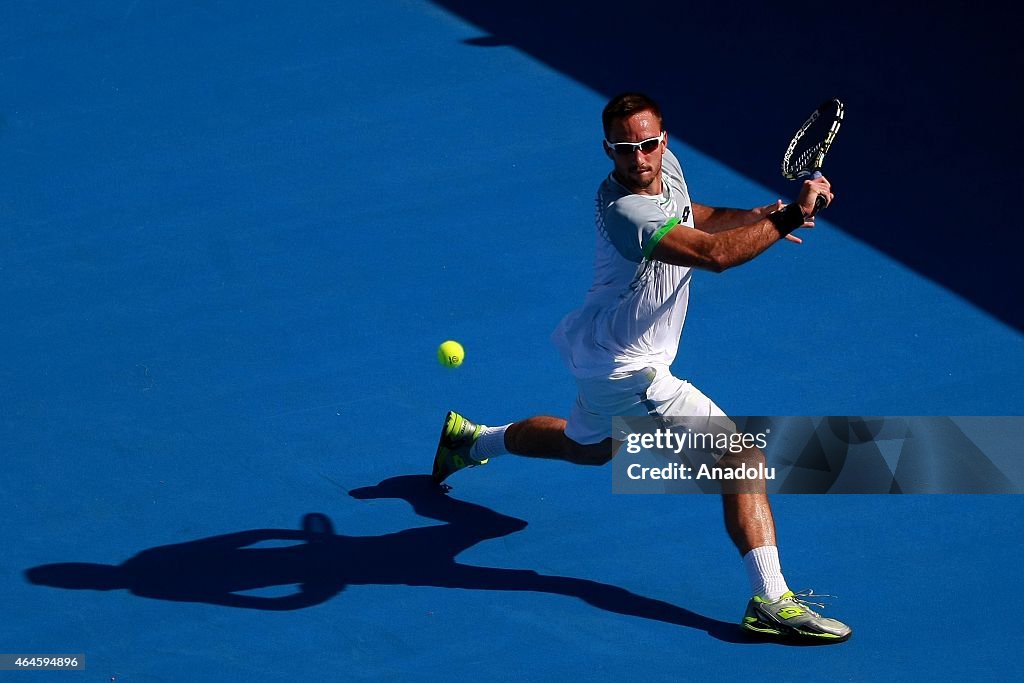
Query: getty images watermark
[[720, 446], [830, 454]]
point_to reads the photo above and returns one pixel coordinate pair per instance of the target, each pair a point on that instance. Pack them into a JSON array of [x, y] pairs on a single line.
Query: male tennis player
[[621, 343]]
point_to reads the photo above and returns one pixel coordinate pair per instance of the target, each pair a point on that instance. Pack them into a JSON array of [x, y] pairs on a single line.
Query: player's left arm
[[711, 219]]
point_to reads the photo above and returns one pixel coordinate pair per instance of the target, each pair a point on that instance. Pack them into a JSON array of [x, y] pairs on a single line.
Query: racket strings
[[807, 156], [803, 159], [806, 151]]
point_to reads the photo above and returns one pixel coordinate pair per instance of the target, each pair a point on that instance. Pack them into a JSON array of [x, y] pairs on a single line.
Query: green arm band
[[656, 237]]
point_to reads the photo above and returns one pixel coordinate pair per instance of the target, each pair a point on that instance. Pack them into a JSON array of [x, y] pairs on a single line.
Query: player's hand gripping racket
[[806, 152]]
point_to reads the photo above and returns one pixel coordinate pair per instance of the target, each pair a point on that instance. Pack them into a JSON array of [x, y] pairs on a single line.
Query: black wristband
[[788, 219]]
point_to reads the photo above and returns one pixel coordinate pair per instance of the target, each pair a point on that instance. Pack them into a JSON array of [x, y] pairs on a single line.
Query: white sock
[[490, 443], [765, 573]]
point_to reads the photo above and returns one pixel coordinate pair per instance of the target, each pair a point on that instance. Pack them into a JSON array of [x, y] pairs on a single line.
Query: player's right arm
[[683, 246], [719, 251]]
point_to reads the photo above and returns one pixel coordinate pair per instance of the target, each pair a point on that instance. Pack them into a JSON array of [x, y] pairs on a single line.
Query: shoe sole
[[442, 450], [763, 630], [446, 451]]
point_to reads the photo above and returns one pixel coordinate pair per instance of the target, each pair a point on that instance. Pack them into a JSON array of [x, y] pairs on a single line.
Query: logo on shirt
[[686, 213]]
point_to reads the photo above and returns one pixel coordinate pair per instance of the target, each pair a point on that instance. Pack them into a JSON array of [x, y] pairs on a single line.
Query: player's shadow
[[320, 564]]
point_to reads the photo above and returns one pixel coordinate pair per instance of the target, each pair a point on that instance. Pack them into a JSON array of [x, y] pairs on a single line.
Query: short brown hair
[[625, 105]]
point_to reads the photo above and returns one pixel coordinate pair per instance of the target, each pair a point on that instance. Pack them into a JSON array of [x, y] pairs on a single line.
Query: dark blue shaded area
[[926, 165]]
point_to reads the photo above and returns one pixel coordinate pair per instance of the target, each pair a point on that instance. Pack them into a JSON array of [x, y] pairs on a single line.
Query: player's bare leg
[[748, 515], [544, 437]]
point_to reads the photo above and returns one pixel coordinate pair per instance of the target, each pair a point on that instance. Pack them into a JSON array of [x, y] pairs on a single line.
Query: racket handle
[[819, 201]]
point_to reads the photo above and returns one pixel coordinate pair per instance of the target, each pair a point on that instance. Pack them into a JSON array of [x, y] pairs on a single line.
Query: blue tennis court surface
[[232, 239]]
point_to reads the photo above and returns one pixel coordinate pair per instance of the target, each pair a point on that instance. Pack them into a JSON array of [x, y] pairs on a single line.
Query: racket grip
[[819, 201]]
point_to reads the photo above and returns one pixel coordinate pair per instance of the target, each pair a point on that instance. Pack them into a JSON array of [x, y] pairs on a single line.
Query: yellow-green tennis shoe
[[791, 618], [457, 436]]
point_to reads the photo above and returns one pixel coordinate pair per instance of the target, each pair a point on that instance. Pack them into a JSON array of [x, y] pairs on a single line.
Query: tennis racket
[[806, 152]]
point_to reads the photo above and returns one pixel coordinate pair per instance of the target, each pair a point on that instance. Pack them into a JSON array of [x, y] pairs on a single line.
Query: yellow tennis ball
[[450, 354]]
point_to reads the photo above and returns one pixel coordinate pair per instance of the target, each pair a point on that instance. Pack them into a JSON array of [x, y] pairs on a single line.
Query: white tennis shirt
[[633, 315]]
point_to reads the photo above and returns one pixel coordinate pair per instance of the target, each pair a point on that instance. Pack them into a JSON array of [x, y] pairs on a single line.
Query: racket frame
[[833, 108]]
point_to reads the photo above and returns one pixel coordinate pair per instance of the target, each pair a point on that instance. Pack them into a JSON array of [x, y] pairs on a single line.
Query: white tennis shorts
[[652, 391]]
